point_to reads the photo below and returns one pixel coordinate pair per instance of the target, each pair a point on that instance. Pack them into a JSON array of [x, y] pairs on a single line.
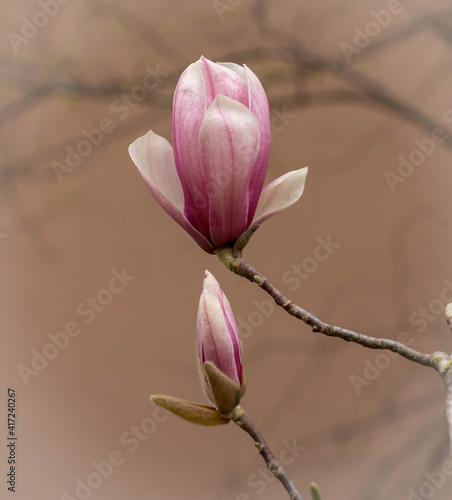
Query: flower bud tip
[[448, 310], [315, 492]]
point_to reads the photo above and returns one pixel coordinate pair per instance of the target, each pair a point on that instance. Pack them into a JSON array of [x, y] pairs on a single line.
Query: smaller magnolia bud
[[219, 350]]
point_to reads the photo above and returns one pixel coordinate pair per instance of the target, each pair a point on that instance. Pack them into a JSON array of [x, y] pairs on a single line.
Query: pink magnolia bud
[[211, 184], [219, 345]]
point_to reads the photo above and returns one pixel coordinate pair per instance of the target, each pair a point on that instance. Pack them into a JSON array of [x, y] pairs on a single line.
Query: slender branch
[[449, 410], [243, 420], [444, 363], [440, 361], [237, 265]]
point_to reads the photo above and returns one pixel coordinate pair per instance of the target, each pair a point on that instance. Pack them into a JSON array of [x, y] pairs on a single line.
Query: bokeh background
[[353, 87]]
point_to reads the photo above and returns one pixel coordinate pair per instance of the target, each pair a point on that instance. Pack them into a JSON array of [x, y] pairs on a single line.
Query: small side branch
[[242, 419]]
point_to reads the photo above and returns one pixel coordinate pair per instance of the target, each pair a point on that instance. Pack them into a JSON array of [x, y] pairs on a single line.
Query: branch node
[[258, 279], [259, 446], [274, 467]]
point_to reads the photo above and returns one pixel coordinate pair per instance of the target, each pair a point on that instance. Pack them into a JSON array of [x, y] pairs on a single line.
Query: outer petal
[[153, 155], [189, 107], [280, 194], [259, 107], [229, 143]]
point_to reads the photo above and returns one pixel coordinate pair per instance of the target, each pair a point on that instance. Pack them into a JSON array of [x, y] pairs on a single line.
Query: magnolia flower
[[219, 347], [211, 183]]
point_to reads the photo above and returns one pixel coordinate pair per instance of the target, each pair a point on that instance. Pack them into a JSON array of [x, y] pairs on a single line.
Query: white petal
[[280, 194], [153, 155]]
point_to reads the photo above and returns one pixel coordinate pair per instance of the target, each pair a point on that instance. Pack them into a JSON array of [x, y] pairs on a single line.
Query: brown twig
[[243, 420], [440, 361], [237, 265]]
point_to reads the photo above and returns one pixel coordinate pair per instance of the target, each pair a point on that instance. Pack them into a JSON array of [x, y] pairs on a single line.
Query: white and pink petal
[[189, 107], [260, 108], [280, 194], [153, 156], [223, 79], [229, 142], [215, 343]]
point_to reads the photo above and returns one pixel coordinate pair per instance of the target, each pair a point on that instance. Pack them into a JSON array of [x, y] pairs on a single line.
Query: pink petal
[[223, 79], [238, 69], [259, 107], [280, 194], [215, 342], [189, 107], [229, 142], [153, 155], [211, 284]]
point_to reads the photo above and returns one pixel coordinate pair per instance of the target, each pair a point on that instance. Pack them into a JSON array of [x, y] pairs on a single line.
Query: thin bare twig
[[243, 420], [242, 268], [440, 361]]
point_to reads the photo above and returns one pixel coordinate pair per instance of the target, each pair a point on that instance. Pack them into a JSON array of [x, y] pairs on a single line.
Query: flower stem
[[243, 420]]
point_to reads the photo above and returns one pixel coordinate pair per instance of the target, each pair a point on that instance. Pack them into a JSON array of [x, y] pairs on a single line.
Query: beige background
[[61, 241]]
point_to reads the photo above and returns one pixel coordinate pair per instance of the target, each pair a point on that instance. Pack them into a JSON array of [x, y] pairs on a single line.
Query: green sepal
[[315, 492]]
